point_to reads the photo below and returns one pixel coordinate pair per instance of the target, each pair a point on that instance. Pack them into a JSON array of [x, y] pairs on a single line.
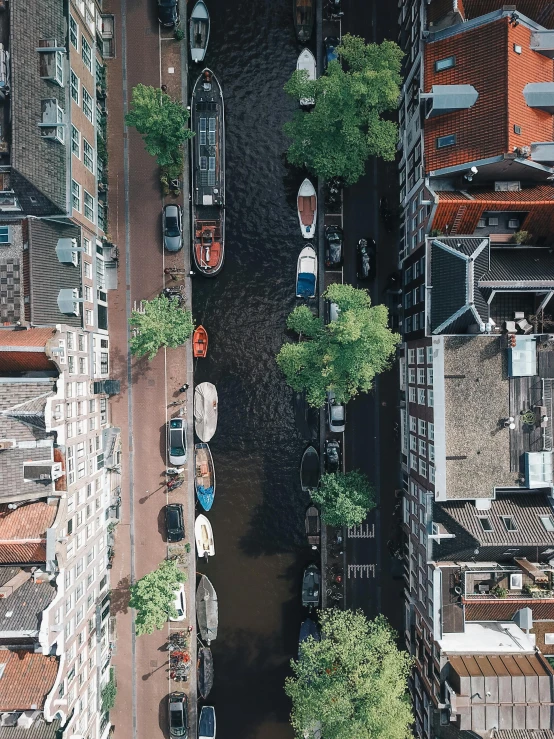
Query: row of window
[[94, 464], [423, 428], [423, 354], [421, 466], [77, 201], [414, 322], [88, 149], [86, 50], [510, 524], [424, 376], [415, 296], [421, 396], [415, 270], [421, 447], [78, 92]]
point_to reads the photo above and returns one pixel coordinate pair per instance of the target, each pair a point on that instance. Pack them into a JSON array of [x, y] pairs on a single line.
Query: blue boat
[[206, 724], [204, 476], [306, 273]]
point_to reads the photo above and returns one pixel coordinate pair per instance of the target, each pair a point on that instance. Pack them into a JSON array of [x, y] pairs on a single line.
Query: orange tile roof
[[485, 59], [37, 337], [27, 521], [27, 680], [13, 553], [21, 361]]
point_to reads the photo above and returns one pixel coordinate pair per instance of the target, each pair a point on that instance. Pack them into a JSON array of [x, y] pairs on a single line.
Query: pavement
[[147, 387]]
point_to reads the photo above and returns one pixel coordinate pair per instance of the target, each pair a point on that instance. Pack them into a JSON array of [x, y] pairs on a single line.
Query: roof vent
[[524, 618], [449, 98], [540, 95]]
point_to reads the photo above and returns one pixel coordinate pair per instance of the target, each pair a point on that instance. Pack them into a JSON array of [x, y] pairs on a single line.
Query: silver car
[[176, 442], [336, 414], [172, 227]]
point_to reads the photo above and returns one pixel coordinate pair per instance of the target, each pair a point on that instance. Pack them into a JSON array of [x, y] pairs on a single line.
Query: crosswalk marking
[[361, 571], [363, 531]]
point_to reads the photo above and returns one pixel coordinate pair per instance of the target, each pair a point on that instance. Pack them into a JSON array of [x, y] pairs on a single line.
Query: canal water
[[258, 513]]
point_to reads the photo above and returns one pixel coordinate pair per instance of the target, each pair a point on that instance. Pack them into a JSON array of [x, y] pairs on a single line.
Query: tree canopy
[[345, 498], [161, 323], [353, 683], [153, 596], [162, 122], [344, 355], [345, 126]]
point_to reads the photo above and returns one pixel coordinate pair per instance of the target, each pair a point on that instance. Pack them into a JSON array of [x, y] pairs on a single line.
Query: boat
[[303, 18], [200, 342], [313, 526], [309, 469], [205, 410], [206, 724], [307, 209], [311, 586], [204, 475], [205, 671], [307, 629], [306, 62], [199, 31], [208, 174], [306, 273], [206, 610], [204, 537]]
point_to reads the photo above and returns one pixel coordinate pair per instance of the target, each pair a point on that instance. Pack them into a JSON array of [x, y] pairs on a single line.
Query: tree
[[162, 121], [353, 683], [345, 126], [345, 498], [344, 355], [153, 595], [161, 323]]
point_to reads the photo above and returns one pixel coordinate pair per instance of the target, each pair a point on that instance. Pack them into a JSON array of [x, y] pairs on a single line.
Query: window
[[421, 355], [413, 424], [5, 235], [88, 155], [87, 246], [88, 294], [104, 363], [430, 376], [429, 355], [447, 63], [431, 430], [421, 427], [423, 467], [89, 318], [87, 105], [431, 453], [82, 366], [412, 394], [413, 462], [548, 522], [76, 142], [88, 270], [73, 32], [509, 523], [422, 448], [89, 206], [421, 376], [411, 356], [549, 638], [444, 141], [421, 396], [485, 522], [432, 473], [413, 443], [430, 398], [86, 53], [411, 376], [74, 83], [76, 195]]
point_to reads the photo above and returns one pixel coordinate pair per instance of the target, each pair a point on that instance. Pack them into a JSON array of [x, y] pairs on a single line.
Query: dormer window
[[51, 60], [447, 63], [509, 523], [52, 125], [485, 522]]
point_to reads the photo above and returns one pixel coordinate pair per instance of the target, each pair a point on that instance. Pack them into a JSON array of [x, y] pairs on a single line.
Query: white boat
[[207, 613], [307, 209], [205, 410], [204, 537], [306, 61], [199, 31], [306, 273]]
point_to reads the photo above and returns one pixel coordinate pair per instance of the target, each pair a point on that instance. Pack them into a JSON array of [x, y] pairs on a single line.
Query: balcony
[[528, 580]]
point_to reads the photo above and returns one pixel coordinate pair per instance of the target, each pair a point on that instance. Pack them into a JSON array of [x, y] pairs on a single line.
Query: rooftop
[[455, 10], [23, 532], [23, 603], [26, 680], [17, 726], [24, 351]]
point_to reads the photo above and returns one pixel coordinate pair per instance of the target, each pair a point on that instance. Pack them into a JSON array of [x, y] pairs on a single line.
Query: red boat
[[200, 342], [208, 246]]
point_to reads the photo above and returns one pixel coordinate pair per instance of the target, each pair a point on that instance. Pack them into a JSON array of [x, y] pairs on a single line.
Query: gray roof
[[49, 275], [39, 164], [26, 605], [520, 268], [40, 729]]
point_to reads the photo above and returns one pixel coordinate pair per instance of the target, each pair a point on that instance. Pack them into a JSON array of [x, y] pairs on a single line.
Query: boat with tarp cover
[[205, 410], [205, 671], [207, 610]]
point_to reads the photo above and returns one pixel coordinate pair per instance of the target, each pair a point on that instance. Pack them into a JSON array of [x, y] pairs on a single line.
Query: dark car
[[172, 227], [178, 715], [333, 455], [365, 267], [333, 246], [174, 522], [168, 12], [331, 43]]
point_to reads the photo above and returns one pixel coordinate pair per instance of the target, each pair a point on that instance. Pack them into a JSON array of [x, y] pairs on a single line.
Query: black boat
[[307, 629], [205, 671], [309, 469], [311, 586], [208, 174], [304, 11], [313, 526]]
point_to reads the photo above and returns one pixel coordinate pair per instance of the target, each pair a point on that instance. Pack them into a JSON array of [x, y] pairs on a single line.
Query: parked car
[[365, 252], [333, 455], [331, 43], [168, 12], [178, 715], [332, 311], [336, 414], [172, 227], [333, 246], [174, 522], [180, 604], [176, 442]]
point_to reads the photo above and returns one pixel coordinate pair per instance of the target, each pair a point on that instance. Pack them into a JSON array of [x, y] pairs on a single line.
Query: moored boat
[[306, 273], [307, 629], [311, 586], [206, 724], [303, 18], [204, 475], [205, 410], [313, 526], [307, 209], [208, 174], [199, 31], [204, 536], [306, 62], [205, 671], [309, 469], [207, 610], [200, 342]]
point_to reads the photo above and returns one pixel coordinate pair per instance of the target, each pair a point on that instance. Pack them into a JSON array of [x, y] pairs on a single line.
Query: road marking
[[361, 571], [363, 531]]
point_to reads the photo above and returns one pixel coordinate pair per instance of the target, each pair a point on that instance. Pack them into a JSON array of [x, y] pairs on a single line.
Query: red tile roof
[[485, 59], [23, 532], [33, 341], [37, 337], [503, 610], [26, 681]]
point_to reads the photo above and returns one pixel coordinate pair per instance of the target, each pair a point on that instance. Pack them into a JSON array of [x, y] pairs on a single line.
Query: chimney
[[12, 585]]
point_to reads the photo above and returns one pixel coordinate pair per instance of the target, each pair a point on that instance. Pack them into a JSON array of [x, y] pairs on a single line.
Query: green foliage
[[162, 122], [345, 498], [353, 683], [179, 34], [343, 356], [153, 595], [345, 126], [163, 323], [109, 692]]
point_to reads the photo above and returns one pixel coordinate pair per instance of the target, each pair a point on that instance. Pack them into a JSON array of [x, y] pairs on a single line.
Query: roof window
[[447, 63], [548, 522], [485, 522], [444, 141], [509, 523], [517, 129], [517, 48]]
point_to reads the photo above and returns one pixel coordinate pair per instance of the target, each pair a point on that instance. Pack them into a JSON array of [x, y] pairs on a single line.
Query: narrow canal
[[258, 513]]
